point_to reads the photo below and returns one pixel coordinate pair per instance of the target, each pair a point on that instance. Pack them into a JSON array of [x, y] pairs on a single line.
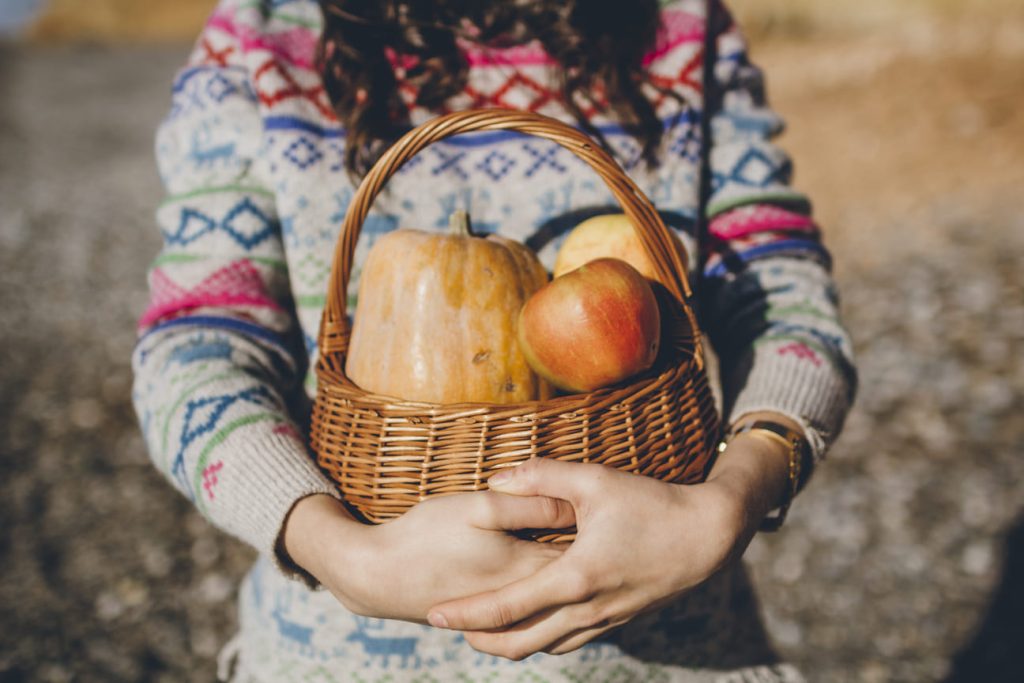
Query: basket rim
[[667, 254], [635, 387]]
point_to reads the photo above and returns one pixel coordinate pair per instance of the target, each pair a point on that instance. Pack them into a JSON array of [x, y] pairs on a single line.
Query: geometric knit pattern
[[251, 157], [288, 633]]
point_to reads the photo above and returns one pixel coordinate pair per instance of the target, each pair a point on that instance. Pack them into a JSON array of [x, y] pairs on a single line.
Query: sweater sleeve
[[768, 299], [216, 366]]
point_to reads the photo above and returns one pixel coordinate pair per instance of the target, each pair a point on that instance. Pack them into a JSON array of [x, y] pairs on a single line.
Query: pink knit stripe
[[531, 54], [236, 284], [678, 28], [296, 45], [756, 218]]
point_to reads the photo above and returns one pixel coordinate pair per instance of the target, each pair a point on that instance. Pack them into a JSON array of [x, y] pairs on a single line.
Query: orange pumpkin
[[436, 318]]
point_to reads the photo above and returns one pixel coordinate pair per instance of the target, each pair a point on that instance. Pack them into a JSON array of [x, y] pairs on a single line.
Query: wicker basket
[[387, 454]]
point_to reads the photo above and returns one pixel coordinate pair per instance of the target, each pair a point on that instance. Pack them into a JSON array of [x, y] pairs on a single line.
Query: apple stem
[[458, 224]]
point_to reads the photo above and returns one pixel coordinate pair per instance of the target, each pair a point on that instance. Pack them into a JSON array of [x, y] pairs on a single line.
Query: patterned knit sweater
[[251, 156]]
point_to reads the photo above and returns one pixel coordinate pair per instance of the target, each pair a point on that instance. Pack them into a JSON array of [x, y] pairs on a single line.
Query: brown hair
[[600, 52]]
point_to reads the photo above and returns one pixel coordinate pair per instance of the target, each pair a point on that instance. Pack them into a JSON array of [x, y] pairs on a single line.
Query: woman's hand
[[443, 548], [640, 544]]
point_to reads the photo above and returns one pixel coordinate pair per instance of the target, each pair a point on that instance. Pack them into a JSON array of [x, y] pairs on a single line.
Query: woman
[[283, 105]]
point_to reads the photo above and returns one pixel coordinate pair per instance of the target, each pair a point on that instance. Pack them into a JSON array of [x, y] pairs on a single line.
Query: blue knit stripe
[[294, 123], [232, 324], [788, 247]]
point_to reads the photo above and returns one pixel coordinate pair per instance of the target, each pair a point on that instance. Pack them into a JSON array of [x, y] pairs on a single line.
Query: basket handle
[[667, 254]]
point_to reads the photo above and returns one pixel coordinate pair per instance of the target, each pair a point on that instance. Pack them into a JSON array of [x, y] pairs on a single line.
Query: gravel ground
[[903, 562]]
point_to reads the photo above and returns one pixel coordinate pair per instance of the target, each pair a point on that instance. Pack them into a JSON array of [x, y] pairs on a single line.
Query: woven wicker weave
[[387, 454]]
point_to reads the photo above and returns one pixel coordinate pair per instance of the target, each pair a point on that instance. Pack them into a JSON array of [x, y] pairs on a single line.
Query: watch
[[799, 459]]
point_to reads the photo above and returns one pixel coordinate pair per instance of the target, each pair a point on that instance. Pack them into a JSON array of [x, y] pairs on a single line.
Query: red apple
[[592, 327]]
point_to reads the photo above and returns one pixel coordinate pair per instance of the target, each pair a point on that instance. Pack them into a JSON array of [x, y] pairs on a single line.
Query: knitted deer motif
[[204, 153], [385, 647], [298, 634]]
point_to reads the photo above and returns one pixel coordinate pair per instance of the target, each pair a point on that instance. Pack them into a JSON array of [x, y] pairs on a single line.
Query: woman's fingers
[[510, 513], [578, 639], [571, 481], [557, 584], [545, 632]]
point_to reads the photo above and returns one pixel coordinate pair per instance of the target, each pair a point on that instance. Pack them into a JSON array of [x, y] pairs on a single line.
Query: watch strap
[[799, 452]]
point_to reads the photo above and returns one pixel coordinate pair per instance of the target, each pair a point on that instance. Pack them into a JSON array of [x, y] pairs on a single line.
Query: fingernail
[[437, 620], [500, 479]]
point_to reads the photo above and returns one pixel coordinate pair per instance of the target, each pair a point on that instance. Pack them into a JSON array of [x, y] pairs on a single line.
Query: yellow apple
[[607, 236]]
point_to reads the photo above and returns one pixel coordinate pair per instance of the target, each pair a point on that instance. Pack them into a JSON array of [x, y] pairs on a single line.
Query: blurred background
[[904, 561]]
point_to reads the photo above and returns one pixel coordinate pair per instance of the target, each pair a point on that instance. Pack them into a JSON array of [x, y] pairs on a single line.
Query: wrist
[[755, 470], [745, 484], [315, 528]]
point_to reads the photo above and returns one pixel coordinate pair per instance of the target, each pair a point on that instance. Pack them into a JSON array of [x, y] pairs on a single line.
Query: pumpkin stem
[[458, 224]]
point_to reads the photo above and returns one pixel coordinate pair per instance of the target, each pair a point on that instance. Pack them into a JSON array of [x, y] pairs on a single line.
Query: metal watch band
[[799, 454]]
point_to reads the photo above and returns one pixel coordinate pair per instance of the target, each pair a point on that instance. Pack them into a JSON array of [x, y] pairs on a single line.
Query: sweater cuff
[[279, 473], [789, 377]]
